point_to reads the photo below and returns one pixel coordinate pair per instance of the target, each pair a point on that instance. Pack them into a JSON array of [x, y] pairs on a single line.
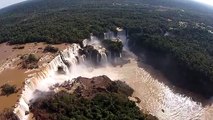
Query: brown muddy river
[[12, 77], [156, 97]]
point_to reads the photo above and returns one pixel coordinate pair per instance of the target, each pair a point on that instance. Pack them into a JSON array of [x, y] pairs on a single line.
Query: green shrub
[[32, 58], [8, 89], [8, 114], [50, 49], [18, 47], [113, 46], [29, 61], [120, 87]]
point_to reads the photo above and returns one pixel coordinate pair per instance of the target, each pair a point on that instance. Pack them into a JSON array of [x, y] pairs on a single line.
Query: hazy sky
[[209, 2], [5, 3]]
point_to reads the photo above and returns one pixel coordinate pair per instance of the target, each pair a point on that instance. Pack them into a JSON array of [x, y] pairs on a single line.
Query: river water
[[156, 97]]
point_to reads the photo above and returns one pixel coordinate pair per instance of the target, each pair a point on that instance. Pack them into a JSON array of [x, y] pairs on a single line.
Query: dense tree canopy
[[96, 98], [64, 106], [56, 21]]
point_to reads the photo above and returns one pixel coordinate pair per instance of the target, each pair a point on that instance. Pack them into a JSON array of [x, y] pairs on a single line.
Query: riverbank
[[11, 71]]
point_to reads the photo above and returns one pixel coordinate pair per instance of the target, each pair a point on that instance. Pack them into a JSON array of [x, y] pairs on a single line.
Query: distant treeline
[[55, 21]]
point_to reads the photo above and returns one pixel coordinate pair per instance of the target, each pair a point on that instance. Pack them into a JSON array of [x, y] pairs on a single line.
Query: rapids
[[156, 97]]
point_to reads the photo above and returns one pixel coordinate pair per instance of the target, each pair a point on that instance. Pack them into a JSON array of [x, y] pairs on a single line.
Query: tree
[[7, 89]]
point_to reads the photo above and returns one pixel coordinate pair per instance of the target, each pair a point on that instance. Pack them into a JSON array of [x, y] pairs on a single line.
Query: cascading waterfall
[[69, 60], [49, 76], [122, 35], [96, 44], [85, 42], [109, 35], [102, 52]]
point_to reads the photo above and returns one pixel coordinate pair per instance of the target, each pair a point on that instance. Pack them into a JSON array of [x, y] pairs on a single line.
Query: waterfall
[[97, 46], [102, 52], [49, 76], [70, 61], [122, 36], [109, 35], [105, 36], [120, 55], [85, 42], [82, 58], [104, 58]]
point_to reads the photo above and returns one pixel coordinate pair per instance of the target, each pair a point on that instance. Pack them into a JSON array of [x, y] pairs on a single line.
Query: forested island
[[88, 99]]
